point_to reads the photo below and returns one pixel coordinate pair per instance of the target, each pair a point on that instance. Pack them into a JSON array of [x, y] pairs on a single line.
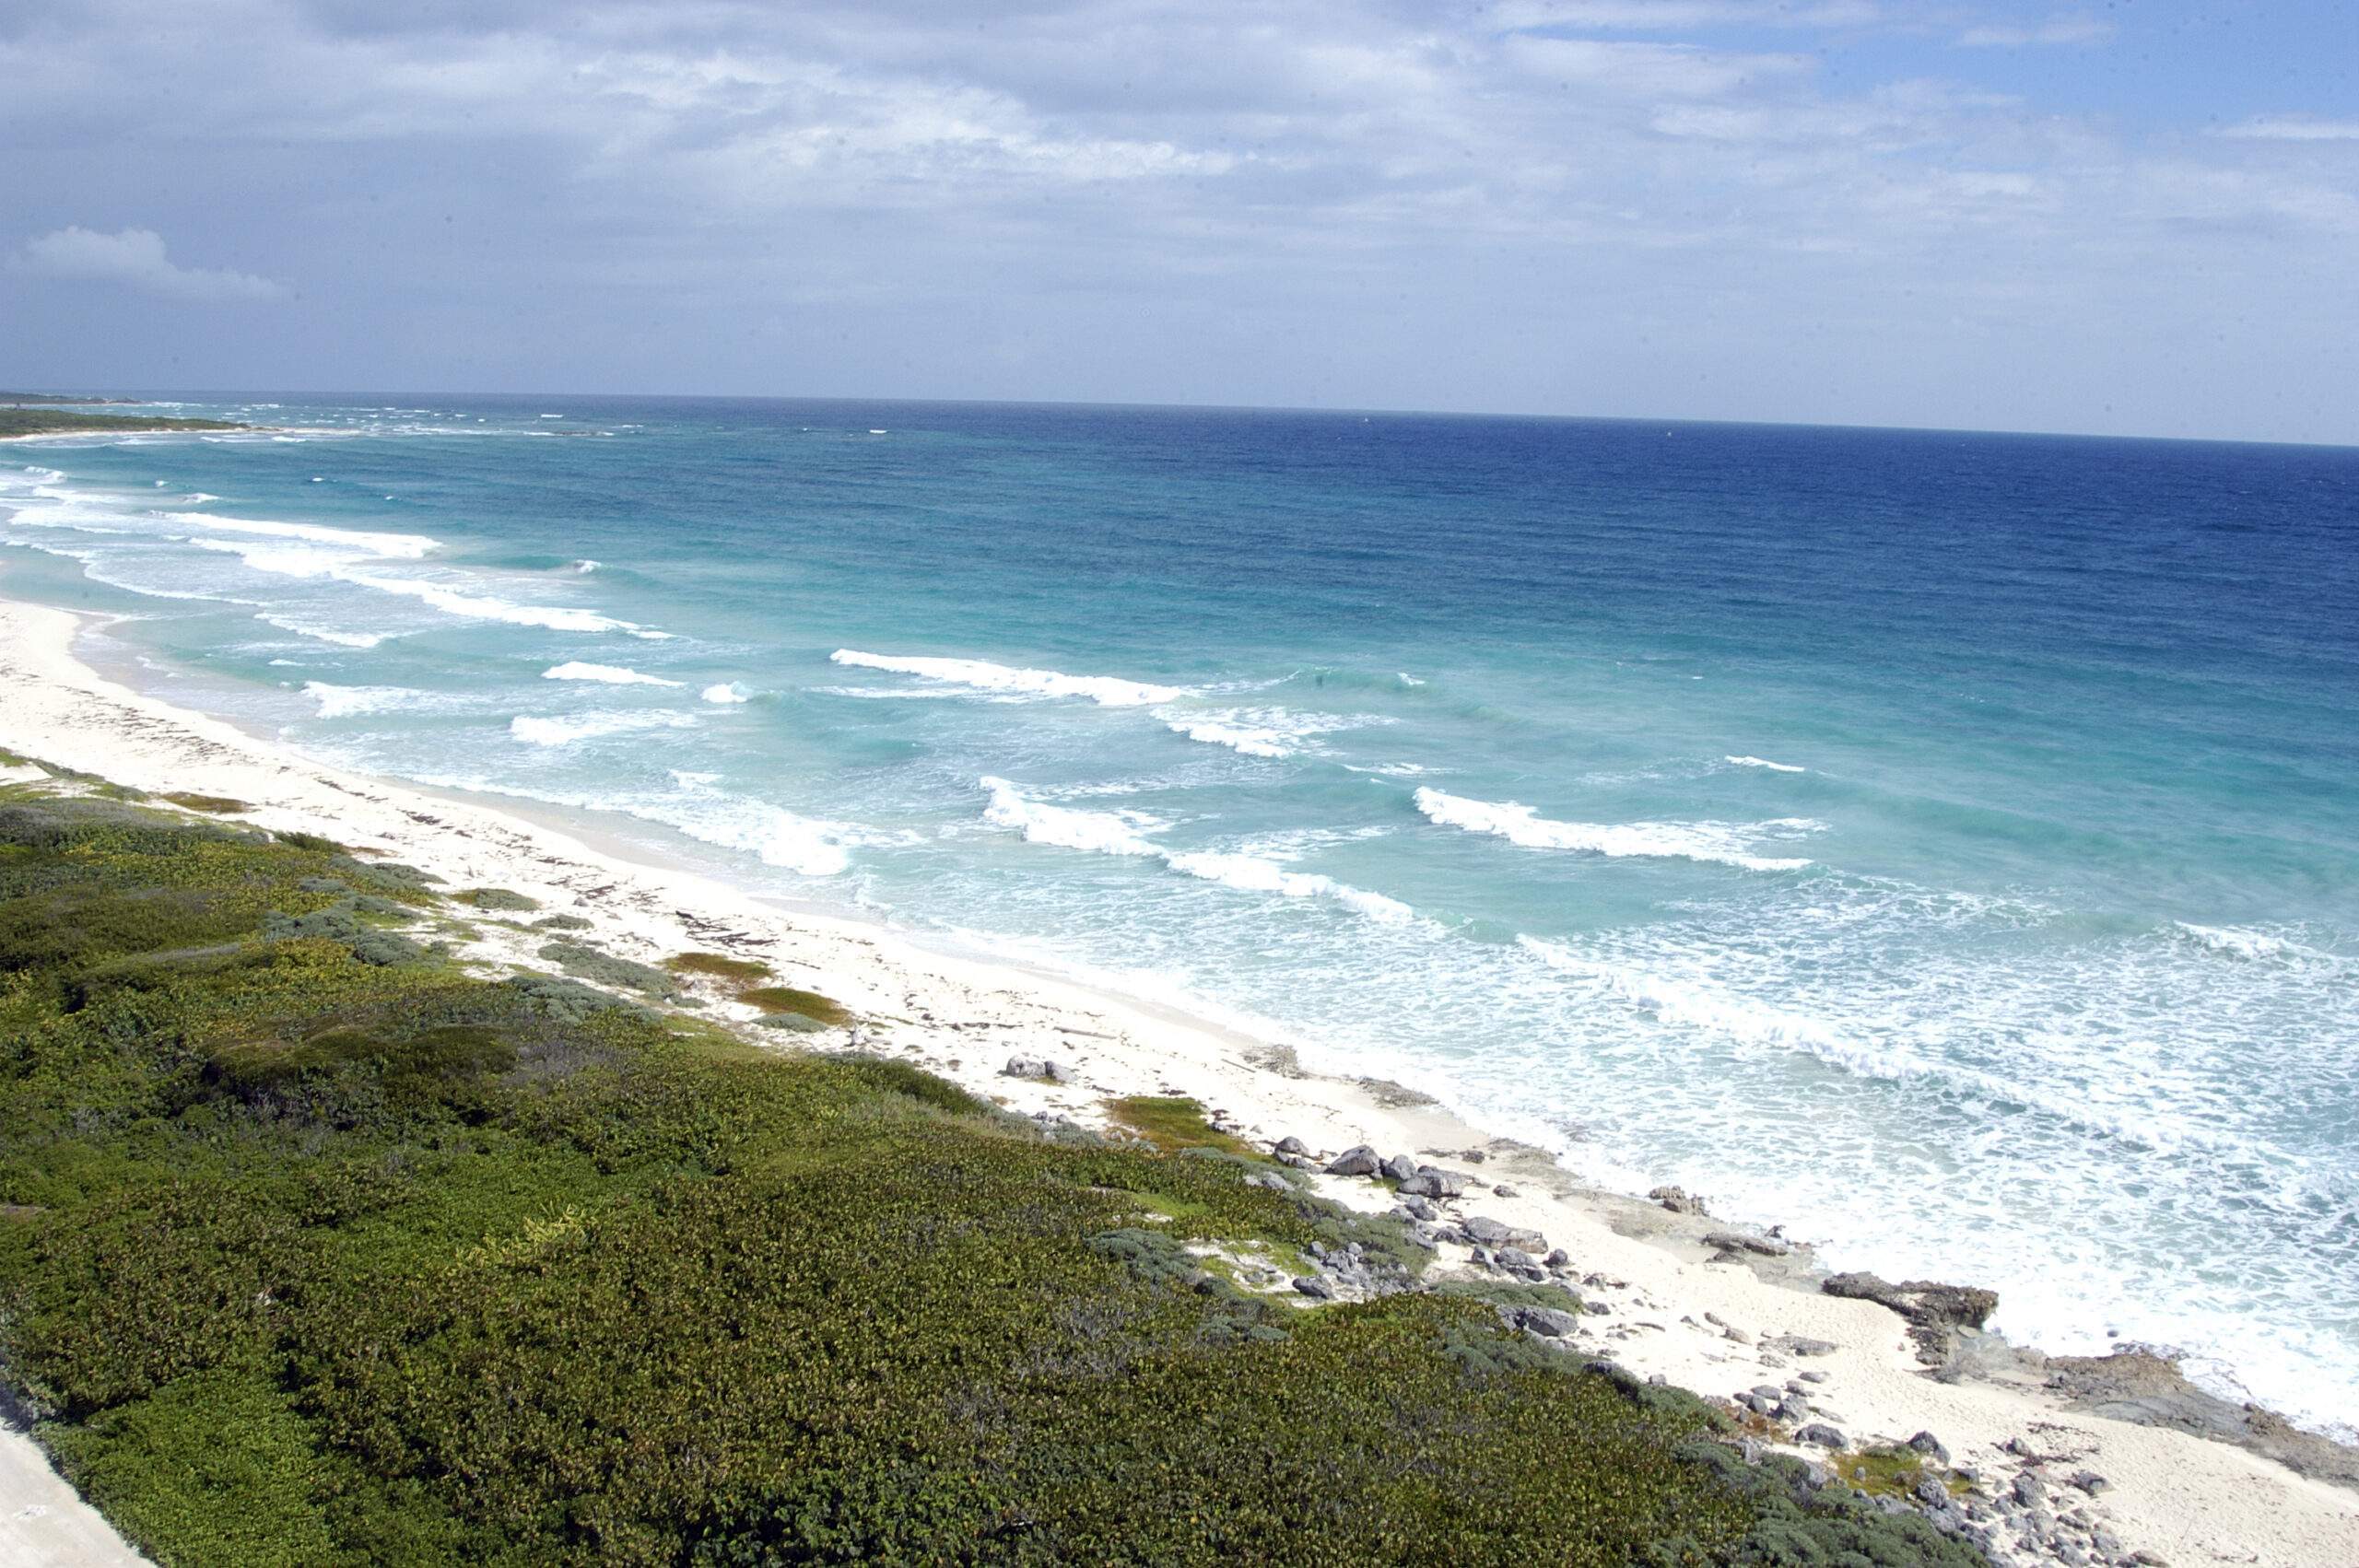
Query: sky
[[2138, 217]]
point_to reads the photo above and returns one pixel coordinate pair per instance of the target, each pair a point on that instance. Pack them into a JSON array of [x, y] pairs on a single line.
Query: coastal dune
[[1684, 1300]]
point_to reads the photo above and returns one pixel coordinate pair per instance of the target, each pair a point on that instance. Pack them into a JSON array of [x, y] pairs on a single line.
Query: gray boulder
[[1821, 1435], [1400, 1168], [1491, 1232], [1290, 1145], [1432, 1181], [1040, 1069], [1315, 1288], [1678, 1199], [1547, 1320], [1356, 1162], [1737, 1241]]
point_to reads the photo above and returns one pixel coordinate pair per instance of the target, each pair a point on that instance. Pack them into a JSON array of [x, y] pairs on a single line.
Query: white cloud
[[2057, 30], [2294, 128], [136, 259]]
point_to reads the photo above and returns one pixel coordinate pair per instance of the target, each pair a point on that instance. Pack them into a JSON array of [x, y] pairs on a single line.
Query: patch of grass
[[220, 805], [718, 966], [562, 923], [801, 1004], [1889, 1472], [1172, 1122], [497, 899]]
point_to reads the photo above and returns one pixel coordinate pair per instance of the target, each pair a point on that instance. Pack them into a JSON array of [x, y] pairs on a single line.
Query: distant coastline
[[26, 414]]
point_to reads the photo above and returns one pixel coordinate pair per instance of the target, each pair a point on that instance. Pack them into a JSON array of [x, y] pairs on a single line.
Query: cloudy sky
[[2140, 216]]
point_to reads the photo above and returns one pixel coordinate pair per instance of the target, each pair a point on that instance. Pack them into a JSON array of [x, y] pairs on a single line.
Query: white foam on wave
[[725, 691], [1699, 1004], [1124, 832], [583, 567], [1260, 732], [314, 551], [342, 702], [2242, 942], [349, 541], [1245, 739], [774, 836], [486, 607], [537, 731], [1107, 691], [325, 634], [606, 674], [1716, 843], [1763, 762]]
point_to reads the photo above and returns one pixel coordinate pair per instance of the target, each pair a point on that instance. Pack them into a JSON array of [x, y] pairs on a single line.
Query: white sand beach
[[1715, 1319]]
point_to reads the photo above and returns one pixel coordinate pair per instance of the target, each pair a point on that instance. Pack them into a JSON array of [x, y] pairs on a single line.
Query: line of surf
[[1712, 842], [980, 674], [1125, 833]]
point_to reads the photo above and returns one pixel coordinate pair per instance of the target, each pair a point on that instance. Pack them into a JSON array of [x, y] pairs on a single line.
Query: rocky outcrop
[[1936, 1313], [2135, 1385]]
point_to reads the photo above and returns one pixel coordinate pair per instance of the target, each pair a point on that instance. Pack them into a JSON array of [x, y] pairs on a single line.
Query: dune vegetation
[[318, 1246]]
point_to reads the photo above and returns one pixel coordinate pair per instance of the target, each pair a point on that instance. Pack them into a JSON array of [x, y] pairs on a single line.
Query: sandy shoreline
[[1698, 1315]]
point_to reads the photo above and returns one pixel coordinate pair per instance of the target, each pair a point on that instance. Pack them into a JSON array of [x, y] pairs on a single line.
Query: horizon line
[[1364, 411]]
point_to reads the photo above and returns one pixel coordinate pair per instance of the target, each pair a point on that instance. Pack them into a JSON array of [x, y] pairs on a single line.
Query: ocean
[[1945, 846]]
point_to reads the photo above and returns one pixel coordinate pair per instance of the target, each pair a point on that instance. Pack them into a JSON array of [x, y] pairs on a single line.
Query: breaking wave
[[608, 675], [1107, 691], [1716, 843], [1124, 832]]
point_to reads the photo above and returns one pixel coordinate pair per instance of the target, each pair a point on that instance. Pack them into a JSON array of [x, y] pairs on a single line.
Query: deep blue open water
[[1945, 845]]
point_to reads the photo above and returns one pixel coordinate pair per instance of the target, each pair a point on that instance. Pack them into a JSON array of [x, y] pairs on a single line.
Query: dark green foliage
[[497, 899], [220, 805], [310, 1259], [54, 421], [590, 964], [561, 923], [1796, 1528]]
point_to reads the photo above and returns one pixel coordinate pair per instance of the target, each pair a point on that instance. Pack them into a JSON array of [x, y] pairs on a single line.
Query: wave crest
[[1107, 691], [607, 675], [1124, 832], [1712, 842]]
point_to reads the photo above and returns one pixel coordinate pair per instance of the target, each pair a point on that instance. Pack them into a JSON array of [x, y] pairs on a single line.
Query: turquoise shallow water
[[1943, 845]]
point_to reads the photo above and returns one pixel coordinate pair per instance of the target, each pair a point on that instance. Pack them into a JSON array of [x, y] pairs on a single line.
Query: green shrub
[[590, 964], [495, 899], [314, 1260]]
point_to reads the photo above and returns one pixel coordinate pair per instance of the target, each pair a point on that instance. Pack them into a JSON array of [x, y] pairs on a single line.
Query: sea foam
[[1124, 832], [341, 702], [1763, 762], [1107, 691], [538, 731], [608, 675], [1715, 843]]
